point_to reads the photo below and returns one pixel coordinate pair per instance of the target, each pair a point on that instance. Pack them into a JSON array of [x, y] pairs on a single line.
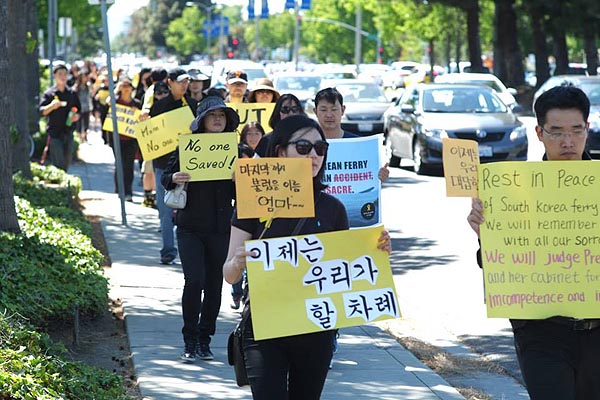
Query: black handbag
[[235, 351]]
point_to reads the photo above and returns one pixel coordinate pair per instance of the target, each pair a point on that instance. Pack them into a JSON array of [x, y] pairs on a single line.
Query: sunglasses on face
[[303, 147], [162, 92], [288, 109]]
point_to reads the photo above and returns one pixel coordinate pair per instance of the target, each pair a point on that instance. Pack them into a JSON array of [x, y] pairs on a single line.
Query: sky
[[119, 12]]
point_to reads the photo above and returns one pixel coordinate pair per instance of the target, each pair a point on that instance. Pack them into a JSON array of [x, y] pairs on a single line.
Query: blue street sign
[[250, 9], [264, 12], [215, 28], [305, 5], [290, 4]]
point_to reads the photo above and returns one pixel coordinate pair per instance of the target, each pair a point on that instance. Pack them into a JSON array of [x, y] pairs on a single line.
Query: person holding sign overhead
[[559, 356], [202, 234], [293, 367], [178, 81]]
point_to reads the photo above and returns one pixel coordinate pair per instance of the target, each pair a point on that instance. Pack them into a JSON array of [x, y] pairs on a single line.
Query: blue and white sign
[[214, 29], [351, 174]]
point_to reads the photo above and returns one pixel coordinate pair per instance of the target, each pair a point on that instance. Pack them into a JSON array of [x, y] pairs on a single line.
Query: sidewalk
[[370, 364]]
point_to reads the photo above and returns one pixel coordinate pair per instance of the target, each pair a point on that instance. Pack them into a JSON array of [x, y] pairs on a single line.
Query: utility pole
[[296, 35], [357, 38]]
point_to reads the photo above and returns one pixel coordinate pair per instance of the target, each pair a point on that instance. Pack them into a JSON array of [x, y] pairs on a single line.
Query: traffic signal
[[235, 43], [230, 54]]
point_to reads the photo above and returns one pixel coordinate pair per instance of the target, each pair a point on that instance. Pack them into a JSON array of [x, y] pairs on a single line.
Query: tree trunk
[[591, 51], [473, 36], [559, 39], [515, 71], [8, 215], [33, 70], [17, 33], [458, 47], [499, 39], [542, 69]]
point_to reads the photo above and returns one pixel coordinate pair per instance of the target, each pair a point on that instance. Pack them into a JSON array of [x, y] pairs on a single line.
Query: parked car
[[302, 85], [365, 104], [394, 78], [416, 123], [591, 86], [506, 94]]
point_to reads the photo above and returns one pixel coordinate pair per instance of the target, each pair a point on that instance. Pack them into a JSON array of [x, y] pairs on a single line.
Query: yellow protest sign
[[317, 282], [274, 187], [540, 239], [461, 159], [208, 156], [157, 136], [127, 119], [249, 112]]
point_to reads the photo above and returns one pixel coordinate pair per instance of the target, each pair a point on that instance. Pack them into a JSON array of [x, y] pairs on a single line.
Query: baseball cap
[[197, 75], [234, 76], [178, 74]]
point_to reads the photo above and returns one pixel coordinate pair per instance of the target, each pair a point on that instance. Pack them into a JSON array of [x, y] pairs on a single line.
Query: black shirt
[[57, 119]]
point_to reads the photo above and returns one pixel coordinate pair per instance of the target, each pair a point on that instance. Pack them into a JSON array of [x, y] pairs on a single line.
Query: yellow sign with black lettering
[[249, 112], [274, 187], [127, 119], [208, 156], [540, 241], [157, 136]]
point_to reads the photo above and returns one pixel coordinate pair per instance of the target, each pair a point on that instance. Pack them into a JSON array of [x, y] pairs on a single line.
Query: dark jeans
[[558, 362], [202, 257], [61, 151], [128, 150], [288, 368]]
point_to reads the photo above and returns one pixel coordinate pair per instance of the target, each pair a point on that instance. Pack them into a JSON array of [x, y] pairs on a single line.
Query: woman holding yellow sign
[[202, 234], [292, 367]]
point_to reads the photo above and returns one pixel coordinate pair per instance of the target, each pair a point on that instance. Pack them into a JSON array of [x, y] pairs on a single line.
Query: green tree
[[184, 34]]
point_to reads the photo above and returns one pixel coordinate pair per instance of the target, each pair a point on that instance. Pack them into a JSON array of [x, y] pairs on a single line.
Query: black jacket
[[209, 204]]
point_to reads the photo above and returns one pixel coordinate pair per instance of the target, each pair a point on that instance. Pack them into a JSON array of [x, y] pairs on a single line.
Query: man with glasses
[[558, 356], [178, 81]]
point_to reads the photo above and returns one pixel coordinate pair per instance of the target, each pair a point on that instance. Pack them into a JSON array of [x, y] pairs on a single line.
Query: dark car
[[426, 113], [365, 104], [591, 86]]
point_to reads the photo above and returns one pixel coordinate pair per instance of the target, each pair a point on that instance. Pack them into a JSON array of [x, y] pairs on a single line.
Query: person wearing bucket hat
[[295, 366], [263, 92], [212, 103], [203, 227]]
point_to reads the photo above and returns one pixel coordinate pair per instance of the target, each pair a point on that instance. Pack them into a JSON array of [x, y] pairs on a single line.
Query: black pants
[[60, 149], [128, 150], [559, 363], [288, 368], [202, 258]]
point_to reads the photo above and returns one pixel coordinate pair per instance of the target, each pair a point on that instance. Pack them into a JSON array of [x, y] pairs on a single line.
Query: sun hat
[[263, 84], [212, 103]]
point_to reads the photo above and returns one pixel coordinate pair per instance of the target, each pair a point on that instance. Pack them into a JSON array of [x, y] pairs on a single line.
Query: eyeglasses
[[160, 92], [292, 109], [263, 91], [578, 132], [303, 147]]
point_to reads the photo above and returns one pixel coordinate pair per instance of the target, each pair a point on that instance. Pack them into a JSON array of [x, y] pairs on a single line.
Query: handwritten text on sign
[[208, 156], [157, 136], [274, 187], [319, 282], [541, 238], [249, 112], [461, 159], [127, 119], [351, 176]]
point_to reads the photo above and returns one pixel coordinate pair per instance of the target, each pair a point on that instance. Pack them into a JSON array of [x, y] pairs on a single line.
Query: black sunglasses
[[287, 110], [303, 147], [162, 92]]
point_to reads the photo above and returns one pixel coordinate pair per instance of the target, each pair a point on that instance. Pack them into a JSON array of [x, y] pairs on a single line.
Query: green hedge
[[45, 271]]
